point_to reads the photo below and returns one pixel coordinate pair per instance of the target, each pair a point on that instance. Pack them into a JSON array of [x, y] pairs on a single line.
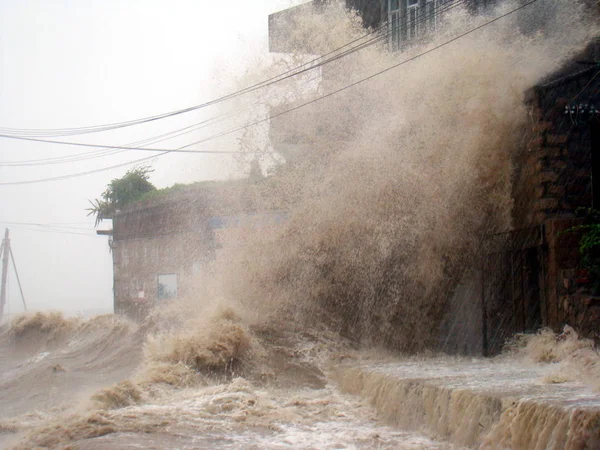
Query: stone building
[[533, 276], [559, 175]]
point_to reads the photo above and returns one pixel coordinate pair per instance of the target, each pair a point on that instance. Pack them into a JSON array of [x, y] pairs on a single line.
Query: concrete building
[[160, 244], [395, 24]]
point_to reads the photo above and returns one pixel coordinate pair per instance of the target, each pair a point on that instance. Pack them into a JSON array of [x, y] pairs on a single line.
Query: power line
[[330, 94], [89, 172], [182, 149], [127, 147], [123, 147], [362, 80], [586, 86], [115, 125], [425, 16], [39, 230], [60, 159], [48, 225], [265, 83]]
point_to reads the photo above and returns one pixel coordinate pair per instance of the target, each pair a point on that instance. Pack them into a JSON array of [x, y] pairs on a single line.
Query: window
[[167, 286], [412, 17], [431, 7], [395, 28]]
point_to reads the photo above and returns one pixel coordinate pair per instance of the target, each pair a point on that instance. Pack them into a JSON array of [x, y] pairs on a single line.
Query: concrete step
[[479, 403]]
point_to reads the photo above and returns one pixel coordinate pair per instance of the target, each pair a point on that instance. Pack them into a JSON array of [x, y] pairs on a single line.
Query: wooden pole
[[5, 253], [12, 258]]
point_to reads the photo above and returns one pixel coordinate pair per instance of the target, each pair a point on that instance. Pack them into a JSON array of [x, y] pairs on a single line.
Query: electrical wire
[[88, 172], [164, 152], [425, 16], [124, 147], [48, 225], [115, 125], [92, 235], [362, 80], [182, 149], [127, 147], [276, 79], [586, 86]]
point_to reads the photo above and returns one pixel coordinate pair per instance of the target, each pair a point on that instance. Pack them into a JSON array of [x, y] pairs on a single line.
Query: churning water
[[216, 384], [105, 383], [392, 183]]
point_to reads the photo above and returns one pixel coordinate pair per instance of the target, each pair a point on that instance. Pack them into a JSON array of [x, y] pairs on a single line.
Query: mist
[[73, 64]]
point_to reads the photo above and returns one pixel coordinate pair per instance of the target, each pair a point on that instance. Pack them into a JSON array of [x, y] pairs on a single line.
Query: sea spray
[[396, 179]]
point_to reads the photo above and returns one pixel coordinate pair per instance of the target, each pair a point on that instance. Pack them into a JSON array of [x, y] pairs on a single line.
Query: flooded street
[[86, 384], [62, 392]]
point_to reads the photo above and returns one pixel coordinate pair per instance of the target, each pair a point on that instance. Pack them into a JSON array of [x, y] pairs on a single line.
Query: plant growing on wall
[[122, 191], [589, 245]]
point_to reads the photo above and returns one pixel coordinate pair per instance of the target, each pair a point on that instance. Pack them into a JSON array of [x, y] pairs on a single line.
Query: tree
[[122, 191]]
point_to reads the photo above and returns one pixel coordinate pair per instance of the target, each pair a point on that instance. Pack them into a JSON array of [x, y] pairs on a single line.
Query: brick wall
[[553, 170], [553, 178]]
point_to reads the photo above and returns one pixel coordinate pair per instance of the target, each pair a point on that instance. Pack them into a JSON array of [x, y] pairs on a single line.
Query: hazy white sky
[[87, 62]]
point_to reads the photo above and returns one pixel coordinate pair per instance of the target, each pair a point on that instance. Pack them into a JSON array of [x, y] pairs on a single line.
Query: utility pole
[[12, 258], [5, 255]]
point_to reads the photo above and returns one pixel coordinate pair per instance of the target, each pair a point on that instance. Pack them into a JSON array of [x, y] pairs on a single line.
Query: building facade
[[534, 276], [160, 245], [394, 24], [559, 176], [397, 22]]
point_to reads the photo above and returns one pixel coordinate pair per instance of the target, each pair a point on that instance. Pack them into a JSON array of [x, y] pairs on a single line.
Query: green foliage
[[156, 193], [589, 244], [121, 192], [179, 187], [590, 239]]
